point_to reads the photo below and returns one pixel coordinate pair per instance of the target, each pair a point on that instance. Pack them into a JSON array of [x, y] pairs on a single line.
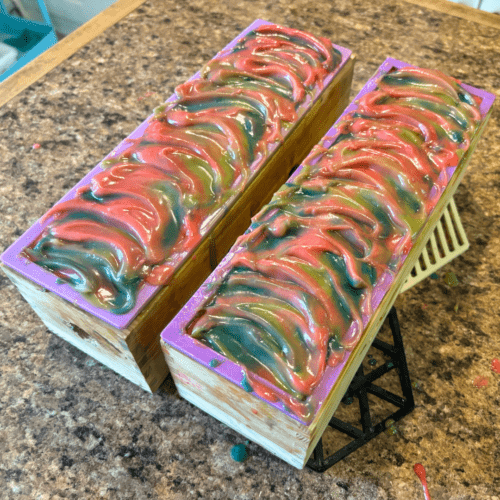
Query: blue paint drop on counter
[[239, 453]]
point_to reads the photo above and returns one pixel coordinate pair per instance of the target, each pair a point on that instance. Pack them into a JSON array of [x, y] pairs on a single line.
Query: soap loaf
[[289, 314], [143, 230]]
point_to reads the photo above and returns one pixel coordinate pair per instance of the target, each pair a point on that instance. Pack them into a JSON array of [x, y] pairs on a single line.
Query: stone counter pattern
[[70, 428]]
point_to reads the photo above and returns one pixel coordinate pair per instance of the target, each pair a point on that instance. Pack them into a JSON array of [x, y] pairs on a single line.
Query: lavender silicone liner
[[12, 258], [173, 334]]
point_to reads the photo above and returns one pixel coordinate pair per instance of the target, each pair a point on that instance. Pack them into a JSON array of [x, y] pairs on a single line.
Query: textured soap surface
[[150, 207], [298, 290]]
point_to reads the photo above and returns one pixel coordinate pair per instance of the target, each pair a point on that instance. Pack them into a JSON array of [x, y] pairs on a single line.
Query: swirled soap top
[[299, 287], [150, 207]]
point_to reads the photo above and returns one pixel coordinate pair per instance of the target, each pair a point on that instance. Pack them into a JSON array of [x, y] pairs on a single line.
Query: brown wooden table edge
[[460, 10], [65, 48]]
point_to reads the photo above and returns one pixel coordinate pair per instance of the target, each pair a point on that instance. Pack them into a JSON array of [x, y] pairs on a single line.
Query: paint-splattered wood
[[253, 418], [134, 352]]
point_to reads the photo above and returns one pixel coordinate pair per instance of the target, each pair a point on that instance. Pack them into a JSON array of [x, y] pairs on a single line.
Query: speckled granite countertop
[[70, 428]]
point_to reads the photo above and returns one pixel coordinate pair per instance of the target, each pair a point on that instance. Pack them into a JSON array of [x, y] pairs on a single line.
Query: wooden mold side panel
[[240, 410], [143, 335], [92, 336]]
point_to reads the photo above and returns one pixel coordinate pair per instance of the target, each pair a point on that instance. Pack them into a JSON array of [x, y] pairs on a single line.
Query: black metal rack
[[360, 387]]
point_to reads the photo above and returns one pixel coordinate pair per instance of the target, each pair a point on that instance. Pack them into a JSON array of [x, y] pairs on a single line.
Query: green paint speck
[[239, 453]]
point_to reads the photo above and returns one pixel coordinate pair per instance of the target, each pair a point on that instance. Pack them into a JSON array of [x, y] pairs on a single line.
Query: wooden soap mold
[[134, 351], [217, 390]]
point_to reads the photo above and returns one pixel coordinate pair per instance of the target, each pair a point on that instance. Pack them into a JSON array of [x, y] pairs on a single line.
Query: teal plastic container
[[29, 38]]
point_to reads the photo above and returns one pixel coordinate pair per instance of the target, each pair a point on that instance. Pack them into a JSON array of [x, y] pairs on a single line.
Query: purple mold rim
[[12, 258], [173, 335]]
